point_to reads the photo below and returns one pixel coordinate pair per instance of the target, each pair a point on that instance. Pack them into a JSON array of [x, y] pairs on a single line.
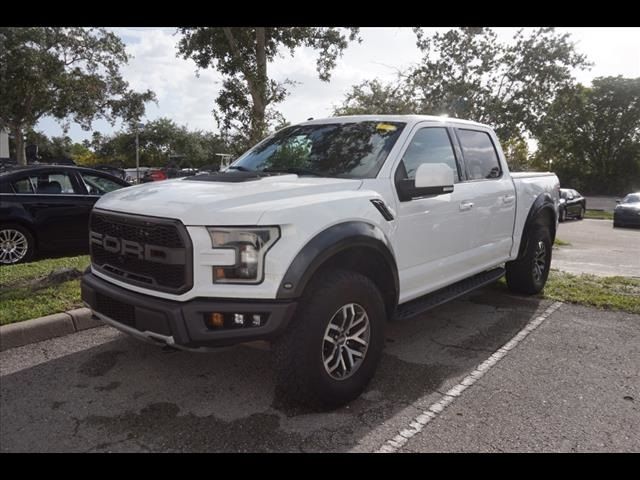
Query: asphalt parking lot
[[571, 385], [598, 248]]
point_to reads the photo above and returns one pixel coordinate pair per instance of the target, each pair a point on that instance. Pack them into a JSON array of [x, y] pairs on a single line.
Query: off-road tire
[[521, 273], [299, 354]]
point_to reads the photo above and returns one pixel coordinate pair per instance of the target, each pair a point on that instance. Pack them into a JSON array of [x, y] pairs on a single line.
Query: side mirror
[[618, 200], [435, 175], [431, 179]]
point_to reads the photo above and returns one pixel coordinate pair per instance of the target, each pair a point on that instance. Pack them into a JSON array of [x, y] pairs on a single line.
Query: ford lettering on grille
[[151, 252]]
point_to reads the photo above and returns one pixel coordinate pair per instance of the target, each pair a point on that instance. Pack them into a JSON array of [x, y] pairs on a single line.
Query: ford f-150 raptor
[[315, 238]]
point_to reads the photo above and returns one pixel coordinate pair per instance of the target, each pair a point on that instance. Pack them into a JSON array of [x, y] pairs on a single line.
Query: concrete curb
[[43, 328]]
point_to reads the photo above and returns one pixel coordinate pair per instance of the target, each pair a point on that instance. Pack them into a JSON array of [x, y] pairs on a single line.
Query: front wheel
[[562, 215], [581, 213], [331, 350], [529, 273]]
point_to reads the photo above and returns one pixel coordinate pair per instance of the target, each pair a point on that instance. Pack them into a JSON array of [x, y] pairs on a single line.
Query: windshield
[[635, 198], [346, 150]]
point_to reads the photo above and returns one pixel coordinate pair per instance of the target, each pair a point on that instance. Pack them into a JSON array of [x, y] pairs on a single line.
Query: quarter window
[[479, 154], [428, 145]]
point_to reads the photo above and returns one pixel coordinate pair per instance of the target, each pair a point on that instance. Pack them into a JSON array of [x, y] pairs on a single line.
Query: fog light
[[238, 319], [216, 320], [255, 320]]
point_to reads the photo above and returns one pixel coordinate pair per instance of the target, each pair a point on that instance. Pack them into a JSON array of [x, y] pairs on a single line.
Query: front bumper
[[626, 218], [180, 324]]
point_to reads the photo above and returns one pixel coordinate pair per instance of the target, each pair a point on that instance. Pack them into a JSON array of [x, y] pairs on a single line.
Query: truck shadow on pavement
[[124, 395]]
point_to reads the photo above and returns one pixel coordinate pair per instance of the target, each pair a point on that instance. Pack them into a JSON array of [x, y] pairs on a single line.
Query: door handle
[[508, 199], [466, 206]]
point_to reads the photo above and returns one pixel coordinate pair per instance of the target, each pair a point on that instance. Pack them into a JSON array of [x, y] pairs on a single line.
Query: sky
[[188, 99]]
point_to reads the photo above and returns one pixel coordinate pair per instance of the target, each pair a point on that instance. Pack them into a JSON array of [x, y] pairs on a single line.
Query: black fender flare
[[327, 244], [543, 202]]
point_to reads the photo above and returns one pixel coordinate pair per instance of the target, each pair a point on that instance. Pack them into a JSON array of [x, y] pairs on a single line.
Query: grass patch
[[560, 243], [610, 293], [598, 215], [21, 301]]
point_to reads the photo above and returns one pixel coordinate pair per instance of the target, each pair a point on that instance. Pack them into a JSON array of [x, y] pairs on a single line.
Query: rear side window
[[479, 154], [428, 145], [45, 184], [23, 185]]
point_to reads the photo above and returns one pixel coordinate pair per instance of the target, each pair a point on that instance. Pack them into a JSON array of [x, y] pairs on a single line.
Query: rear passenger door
[[50, 197], [490, 195]]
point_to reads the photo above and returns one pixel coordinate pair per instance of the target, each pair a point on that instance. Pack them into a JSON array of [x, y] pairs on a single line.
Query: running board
[[433, 299]]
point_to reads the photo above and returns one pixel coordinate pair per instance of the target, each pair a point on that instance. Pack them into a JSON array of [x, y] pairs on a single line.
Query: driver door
[[432, 238]]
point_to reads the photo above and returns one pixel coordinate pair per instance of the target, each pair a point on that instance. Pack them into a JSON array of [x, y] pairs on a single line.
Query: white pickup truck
[[315, 238]]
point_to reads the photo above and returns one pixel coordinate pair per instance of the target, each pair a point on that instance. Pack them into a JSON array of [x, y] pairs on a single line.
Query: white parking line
[[418, 423]]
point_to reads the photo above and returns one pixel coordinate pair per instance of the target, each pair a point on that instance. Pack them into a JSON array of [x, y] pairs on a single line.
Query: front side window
[[98, 185], [345, 150], [428, 145], [631, 198], [479, 154]]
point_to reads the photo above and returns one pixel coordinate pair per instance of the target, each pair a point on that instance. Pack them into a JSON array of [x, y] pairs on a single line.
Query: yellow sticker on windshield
[[387, 127]]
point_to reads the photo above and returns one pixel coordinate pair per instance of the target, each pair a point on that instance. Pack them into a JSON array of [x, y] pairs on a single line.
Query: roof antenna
[[309, 119]]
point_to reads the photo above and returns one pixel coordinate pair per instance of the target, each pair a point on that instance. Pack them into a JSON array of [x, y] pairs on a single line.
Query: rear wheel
[[330, 352], [529, 273], [16, 244]]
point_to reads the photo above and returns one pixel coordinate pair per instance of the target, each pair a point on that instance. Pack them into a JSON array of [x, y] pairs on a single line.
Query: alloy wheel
[[346, 341], [13, 246], [539, 261]]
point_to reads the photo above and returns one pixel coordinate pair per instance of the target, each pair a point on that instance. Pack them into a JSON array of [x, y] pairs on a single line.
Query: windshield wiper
[[240, 168], [294, 170]]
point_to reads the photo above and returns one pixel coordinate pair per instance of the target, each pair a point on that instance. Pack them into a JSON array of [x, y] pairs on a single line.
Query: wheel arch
[[355, 245], [543, 209], [24, 224]]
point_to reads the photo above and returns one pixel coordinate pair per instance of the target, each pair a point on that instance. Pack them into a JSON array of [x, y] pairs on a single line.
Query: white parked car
[[315, 238]]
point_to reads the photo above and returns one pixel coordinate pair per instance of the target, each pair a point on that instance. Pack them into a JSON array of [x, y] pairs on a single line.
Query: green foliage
[[598, 215], [560, 243], [516, 151], [609, 293], [592, 136], [160, 141], [21, 300], [245, 106], [72, 74], [466, 73]]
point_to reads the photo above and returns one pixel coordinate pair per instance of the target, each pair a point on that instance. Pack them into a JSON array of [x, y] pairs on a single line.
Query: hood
[[630, 206], [197, 202]]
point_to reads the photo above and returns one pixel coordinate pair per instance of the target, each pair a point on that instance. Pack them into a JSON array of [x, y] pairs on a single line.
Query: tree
[[466, 73], [242, 55], [161, 140], [68, 73], [592, 136]]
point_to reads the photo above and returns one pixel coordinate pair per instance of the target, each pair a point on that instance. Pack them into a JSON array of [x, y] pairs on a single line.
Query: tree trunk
[[19, 139], [260, 94]]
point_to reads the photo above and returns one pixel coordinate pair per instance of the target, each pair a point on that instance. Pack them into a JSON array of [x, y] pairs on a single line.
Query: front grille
[[169, 272], [116, 310]]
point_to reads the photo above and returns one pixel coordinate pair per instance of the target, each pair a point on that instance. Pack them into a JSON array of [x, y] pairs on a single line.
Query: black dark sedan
[[572, 204], [46, 208], [627, 212]]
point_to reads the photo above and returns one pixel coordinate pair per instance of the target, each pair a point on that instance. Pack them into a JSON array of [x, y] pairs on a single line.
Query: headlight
[[250, 246]]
